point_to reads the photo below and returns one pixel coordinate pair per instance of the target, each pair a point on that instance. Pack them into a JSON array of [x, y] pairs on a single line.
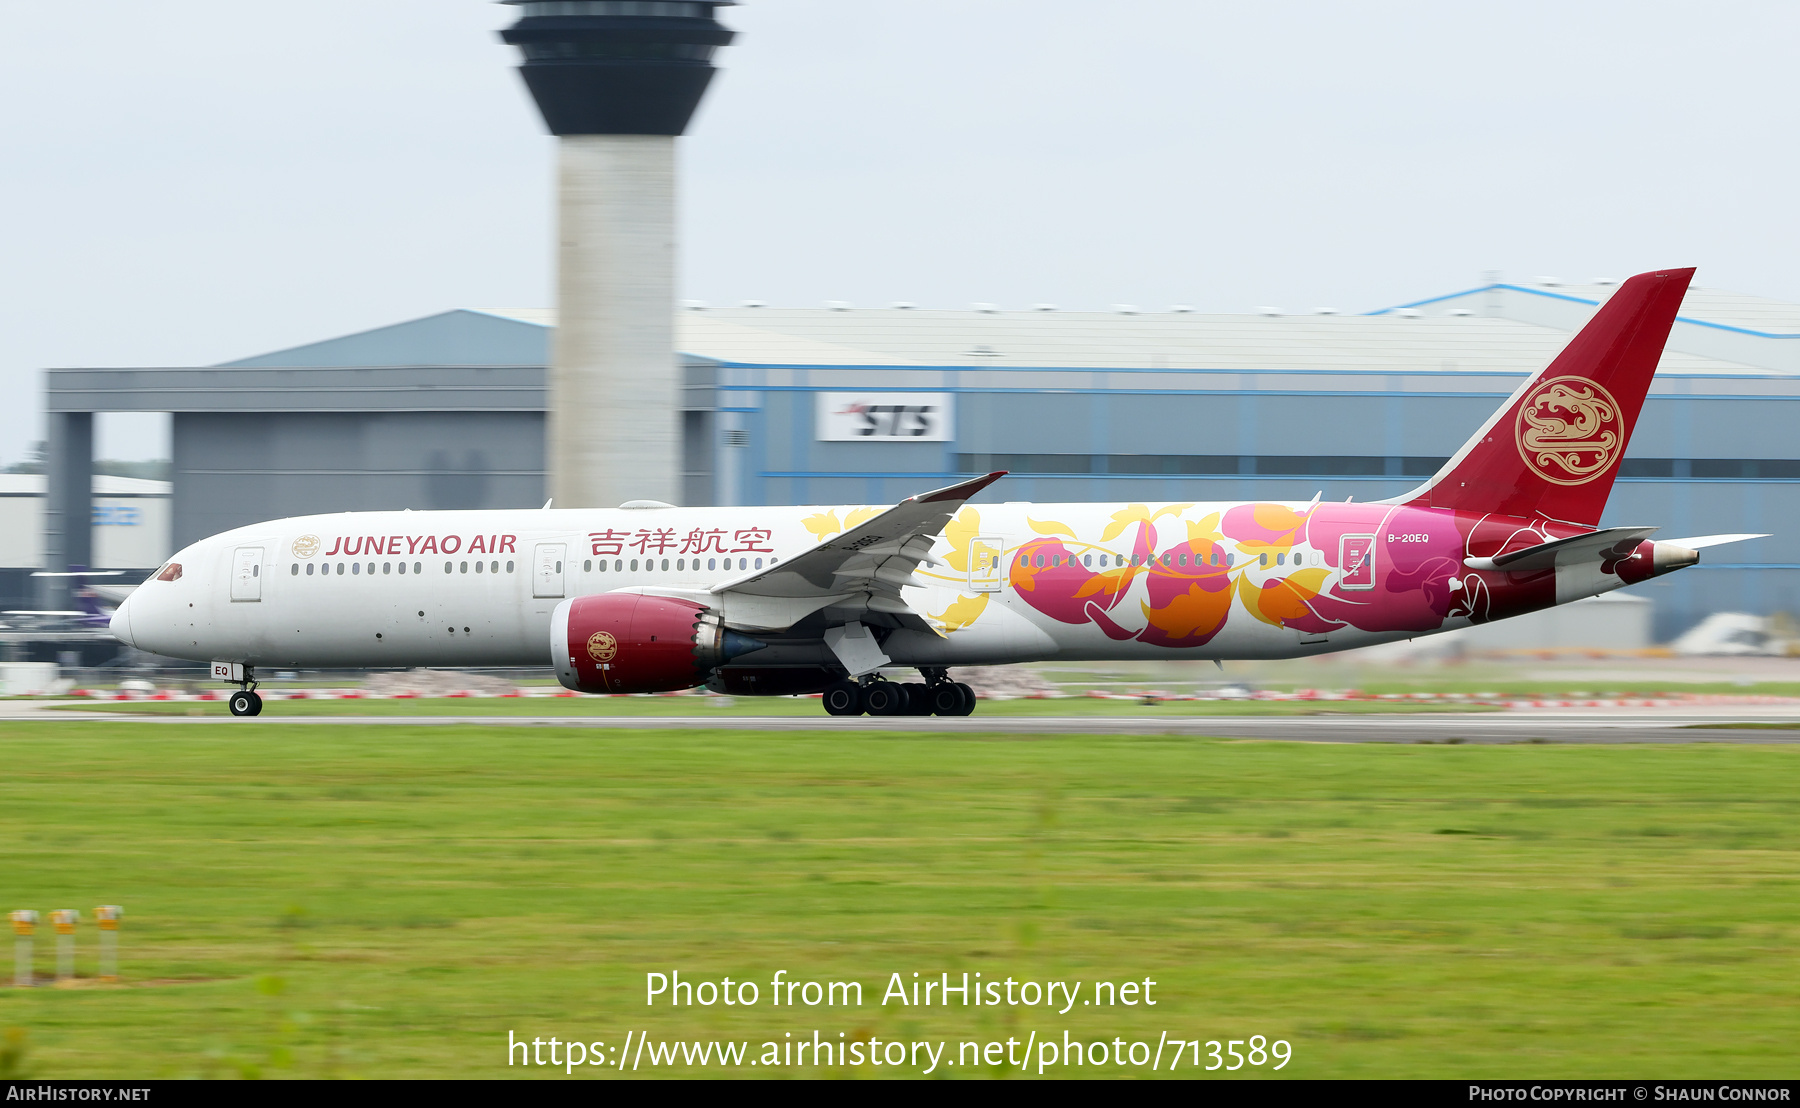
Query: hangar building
[[840, 405]]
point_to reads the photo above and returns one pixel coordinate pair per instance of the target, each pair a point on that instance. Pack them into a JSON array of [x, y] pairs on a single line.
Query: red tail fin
[[1553, 449]]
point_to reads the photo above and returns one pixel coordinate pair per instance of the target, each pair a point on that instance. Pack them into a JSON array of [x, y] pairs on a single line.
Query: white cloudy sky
[[194, 180]]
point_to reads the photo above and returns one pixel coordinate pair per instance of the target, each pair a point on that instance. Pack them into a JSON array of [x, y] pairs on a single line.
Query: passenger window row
[[1087, 560], [358, 568], [1053, 561], [480, 567]]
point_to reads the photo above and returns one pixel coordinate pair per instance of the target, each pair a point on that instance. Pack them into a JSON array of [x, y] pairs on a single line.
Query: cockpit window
[[170, 572]]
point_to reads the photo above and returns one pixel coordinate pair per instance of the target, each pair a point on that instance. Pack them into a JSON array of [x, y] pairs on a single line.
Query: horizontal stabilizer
[[1705, 541], [1613, 542]]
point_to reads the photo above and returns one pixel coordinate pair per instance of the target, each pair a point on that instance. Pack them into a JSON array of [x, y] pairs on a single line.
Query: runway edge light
[[24, 923], [109, 916], [65, 919]]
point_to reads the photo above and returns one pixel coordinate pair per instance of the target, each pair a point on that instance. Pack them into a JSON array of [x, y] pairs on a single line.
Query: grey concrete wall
[[69, 502], [232, 470]]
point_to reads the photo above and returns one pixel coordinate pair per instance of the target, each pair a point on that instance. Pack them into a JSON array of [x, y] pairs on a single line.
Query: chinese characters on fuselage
[[750, 540]]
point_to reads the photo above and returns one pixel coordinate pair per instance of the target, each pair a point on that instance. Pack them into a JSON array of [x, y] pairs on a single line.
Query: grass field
[[315, 901], [771, 706]]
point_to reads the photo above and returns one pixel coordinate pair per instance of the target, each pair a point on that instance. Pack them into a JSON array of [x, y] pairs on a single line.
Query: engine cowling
[[630, 643]]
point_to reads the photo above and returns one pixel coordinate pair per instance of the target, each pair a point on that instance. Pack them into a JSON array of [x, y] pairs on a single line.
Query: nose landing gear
[[877, 696], [245, 702]]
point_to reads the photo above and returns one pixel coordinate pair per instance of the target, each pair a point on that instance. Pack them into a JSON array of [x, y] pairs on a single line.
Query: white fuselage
[[478, 588]]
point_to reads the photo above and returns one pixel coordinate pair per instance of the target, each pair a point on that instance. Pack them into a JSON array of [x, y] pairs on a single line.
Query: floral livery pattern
[[1281, 564], [961, 534], [1188, 584]]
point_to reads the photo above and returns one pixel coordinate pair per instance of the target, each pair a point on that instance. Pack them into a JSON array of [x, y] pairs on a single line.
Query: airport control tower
[[616, 81]]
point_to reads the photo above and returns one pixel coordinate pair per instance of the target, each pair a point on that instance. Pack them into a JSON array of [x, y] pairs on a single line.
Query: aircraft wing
[[1614, 542], [861, 570]]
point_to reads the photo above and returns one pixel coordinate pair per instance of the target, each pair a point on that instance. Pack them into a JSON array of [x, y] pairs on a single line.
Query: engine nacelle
[[621, 642]]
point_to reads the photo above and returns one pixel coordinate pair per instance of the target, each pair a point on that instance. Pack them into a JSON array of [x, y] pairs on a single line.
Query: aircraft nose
[[121, 623]]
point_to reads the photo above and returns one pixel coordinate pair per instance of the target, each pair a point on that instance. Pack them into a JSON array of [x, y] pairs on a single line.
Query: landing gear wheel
[[884, 698], [844, 699], [918, 699], [968, 700], [947, 700], [246, 703]]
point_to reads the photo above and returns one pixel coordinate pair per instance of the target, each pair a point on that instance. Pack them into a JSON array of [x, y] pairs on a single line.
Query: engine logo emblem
[[602, 647], [305, 546], [1570, 430]]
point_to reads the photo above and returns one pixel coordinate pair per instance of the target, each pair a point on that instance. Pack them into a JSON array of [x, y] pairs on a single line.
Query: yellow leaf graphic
[[962, 611], [1274, 517], [823, 525], [1109, 582], [1308, 583], [959, 532], [1050, 527], [1170, 510], [1136, 513], [860, 516], [1251, 595], [1282, 599]]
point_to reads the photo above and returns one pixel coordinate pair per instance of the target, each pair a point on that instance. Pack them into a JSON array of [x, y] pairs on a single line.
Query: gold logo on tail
[[1570, 430]]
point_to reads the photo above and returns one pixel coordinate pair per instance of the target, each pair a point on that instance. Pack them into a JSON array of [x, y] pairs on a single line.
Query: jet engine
[[630, 643]]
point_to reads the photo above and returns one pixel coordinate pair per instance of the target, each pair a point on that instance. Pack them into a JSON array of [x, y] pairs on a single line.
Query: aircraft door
[[1356, 557], [246, 573], [985, 563], [547, 569]]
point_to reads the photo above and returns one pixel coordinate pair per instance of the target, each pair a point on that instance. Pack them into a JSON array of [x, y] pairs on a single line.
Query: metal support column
[[68, 502]]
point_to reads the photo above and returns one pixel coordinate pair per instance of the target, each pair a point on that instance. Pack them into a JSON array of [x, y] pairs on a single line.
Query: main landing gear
[[877, 696], [245, 702]]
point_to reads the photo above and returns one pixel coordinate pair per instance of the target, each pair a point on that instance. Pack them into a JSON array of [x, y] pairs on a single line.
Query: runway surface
[[1594, 725]]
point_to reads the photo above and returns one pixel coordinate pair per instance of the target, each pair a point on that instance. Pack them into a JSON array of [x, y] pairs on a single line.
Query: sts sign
[[886, 417]]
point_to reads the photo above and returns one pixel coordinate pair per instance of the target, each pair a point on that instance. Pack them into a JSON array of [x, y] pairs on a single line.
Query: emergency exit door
[[984, 563], [246, 573], [547, 569], [1356, 558]]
